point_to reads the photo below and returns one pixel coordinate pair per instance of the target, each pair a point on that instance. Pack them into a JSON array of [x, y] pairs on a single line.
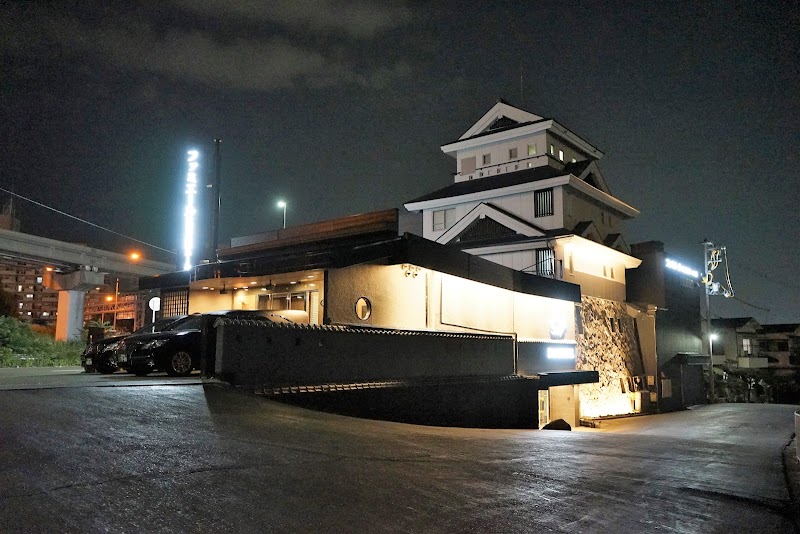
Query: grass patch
[[21, 346]]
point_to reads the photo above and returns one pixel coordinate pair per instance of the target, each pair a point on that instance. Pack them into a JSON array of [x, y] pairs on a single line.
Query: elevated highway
[[74, 269]]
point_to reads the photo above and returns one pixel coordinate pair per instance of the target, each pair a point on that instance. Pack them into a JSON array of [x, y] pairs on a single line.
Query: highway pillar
[[72, 289], [69, 321]]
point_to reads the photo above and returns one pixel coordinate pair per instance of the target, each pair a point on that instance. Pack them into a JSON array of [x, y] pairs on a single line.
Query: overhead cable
[[86, 222]]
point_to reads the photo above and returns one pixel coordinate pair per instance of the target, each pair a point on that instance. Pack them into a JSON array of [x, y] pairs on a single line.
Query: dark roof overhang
[[382, 250]]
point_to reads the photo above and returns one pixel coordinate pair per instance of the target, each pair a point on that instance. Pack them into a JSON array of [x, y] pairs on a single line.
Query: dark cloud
[[198, 56], [358, 19]]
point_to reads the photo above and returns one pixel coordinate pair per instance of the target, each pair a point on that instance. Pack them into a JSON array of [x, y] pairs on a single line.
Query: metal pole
[[706, 247], [217, 206], [116, 301], [284, 216]]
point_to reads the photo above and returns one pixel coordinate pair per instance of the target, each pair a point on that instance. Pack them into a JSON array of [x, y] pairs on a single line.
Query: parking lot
[[94, 453], [75, 377]]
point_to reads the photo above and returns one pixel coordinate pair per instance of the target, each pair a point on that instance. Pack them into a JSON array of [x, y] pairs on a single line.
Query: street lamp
[[282, 204]]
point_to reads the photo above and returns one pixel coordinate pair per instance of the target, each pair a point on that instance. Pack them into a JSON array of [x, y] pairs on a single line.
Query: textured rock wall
[[608, 345]]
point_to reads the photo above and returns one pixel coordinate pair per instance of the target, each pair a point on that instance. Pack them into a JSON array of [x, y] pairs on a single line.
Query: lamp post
[[282, 204], [116, 305]]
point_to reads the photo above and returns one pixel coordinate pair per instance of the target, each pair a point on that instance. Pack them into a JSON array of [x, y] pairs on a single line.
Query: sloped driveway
[[194, 458]]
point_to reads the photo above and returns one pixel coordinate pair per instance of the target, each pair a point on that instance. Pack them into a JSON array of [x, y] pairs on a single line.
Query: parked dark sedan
[[100, 355], [178, 351]]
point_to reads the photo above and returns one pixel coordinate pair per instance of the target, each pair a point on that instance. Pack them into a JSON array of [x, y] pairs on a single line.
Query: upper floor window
[[532, 149], [443, 219], [747, 347], [545, 262], [487, 159], [552, 150], [468, 165], [543, 203], [512, 153], [561, 155]]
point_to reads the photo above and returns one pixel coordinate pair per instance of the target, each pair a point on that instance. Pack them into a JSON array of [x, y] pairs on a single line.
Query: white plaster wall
[[465, 305], [523, 260], [569, 151], [469, 304], [564, 404], [588, 273], [579, 208], [520, 204], [499, 154], [398, 301], [202, 301]]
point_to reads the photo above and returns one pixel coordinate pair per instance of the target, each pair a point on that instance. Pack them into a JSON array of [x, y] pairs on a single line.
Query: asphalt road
[[183, 457]]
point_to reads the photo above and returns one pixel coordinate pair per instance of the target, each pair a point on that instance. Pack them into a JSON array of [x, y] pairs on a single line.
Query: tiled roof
[[493, 182], [733, 322], [787, 328]]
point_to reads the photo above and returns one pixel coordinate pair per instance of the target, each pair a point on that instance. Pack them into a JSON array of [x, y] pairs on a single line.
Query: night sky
[[340, 108]]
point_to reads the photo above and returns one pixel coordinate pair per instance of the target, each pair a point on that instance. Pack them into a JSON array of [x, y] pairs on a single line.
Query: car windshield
[[158, 326], [193, 322]]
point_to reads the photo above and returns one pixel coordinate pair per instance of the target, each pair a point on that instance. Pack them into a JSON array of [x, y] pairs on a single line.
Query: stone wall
[[608, 345]]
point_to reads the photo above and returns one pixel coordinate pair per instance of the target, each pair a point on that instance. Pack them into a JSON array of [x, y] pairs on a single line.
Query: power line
[[86, 222], [764, 276], [751, 305]]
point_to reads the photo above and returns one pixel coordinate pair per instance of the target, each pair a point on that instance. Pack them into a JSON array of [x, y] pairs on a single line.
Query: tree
[[8, 304]]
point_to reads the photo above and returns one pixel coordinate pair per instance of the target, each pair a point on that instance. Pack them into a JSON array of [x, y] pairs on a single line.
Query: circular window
[[363, 308]]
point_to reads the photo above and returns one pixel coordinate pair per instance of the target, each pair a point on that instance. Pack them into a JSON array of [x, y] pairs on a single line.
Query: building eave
[[488, 194], [613, 202]]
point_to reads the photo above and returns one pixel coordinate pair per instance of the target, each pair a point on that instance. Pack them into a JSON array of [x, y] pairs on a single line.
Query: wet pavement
[[185, 457]]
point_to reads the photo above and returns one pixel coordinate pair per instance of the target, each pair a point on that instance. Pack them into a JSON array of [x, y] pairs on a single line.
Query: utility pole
[[707, 245], [216, 203], [714, 256]]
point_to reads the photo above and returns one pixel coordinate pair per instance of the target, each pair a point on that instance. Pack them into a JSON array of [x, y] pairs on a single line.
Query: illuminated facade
[[528, 194], [33, 300], [357, 271]]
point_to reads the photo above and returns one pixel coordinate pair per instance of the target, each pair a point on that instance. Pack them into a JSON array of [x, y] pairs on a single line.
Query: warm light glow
[[135, 256], [600, 402], [190, 211], [48, 269], [109, 298], [679, 267]]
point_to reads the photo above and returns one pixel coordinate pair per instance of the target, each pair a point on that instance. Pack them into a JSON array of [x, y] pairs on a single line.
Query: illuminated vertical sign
[[190, 211]]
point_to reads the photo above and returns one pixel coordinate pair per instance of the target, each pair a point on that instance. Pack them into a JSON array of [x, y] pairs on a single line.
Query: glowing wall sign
[[190, 211], [675, 266], [560, 353]]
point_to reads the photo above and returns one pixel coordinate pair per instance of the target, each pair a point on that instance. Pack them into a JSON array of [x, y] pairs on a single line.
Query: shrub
[[20, 346]]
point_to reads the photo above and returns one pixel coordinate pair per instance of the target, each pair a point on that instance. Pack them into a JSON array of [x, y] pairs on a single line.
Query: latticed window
[[543, 203], [174, 302], [545, 262]]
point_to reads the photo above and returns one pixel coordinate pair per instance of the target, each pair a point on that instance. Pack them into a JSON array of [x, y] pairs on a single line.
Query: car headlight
[[154, 344]]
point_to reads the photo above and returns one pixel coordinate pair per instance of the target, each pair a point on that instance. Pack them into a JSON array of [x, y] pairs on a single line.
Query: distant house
[[743, 343], [735, 343], [780, 345]]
